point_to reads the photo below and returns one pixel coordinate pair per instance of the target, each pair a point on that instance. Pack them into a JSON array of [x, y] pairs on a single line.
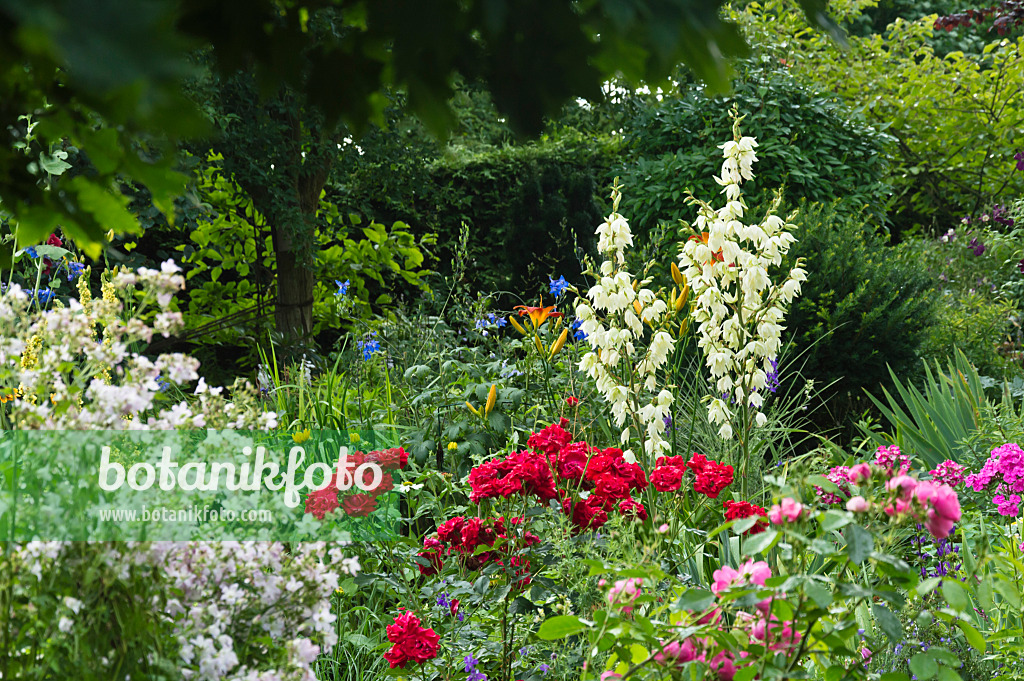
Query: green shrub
[[808, 143], [863, 309]]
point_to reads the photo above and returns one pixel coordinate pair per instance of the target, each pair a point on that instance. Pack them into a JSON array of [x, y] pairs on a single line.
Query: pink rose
[[676, 653], [724, 577], [859, 473], [723, 665], [857, 505], [788, 510]]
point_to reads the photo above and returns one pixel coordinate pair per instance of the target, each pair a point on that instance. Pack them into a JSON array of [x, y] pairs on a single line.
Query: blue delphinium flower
[[45, 296], [558, 286], [75, 270], [577, 332], [474, 675], [369, 347], [544, 669], [164, 384], [342, 287], [31, 252]]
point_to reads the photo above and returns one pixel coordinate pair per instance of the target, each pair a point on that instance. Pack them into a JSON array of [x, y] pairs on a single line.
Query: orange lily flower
[[703, 238], [538, 315]]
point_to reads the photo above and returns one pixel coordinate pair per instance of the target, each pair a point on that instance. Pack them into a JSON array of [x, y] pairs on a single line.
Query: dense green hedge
[[808, 142], [863, 309]]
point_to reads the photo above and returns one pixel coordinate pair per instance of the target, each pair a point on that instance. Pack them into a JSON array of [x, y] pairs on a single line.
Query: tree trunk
[[294, 308], [296, 257]]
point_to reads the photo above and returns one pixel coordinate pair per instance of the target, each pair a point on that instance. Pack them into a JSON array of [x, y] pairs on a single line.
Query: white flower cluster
[[74, 367], [226, 600], [621, 366], [739, 310]]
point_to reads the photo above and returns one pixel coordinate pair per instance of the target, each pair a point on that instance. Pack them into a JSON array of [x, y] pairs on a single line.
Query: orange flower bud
[[492, 398], [677, 276], [559, 342]]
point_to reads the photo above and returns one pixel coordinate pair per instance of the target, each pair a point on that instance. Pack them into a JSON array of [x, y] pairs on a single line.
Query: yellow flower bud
[[637, 307], [677, 276], [516, 325], [473, 409], [538, 344], [492, 398], [559, 342]]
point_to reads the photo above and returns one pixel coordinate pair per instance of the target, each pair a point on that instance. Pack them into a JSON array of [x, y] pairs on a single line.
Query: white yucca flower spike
[[738, 308]]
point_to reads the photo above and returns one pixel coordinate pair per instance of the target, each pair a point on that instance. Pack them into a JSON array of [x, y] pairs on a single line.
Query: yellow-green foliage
[[957, 118]]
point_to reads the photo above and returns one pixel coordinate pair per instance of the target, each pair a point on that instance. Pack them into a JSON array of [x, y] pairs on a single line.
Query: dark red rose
[[712, 479], [322, 501], [667, 478], [697, 463], [450, 531], [632, 509], [550, 440], [735, 510], [359, 505], [432, 551], [412, 643]]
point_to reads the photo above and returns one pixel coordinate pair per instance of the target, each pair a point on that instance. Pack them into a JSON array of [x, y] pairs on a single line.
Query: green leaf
[[695, 600], [973, 636], [821, 596], [745, 673], [823, 482], [560, 626], [859, 543], [923, 666], [1008, 591], [888, 622], [955, 595], [54, 165], [760, 542], [947, 674], [835, 520]]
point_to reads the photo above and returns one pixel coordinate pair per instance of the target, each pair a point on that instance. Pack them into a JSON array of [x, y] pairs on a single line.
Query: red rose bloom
[[411, 642], [432, 552], [450, 531], [712, 479], [390, 459], [586, 515], [734, 510], [609, 487], [550, 440], [697, 463], [632, 509], [359, 505], [571, 462], [572, 401], [322, 501], [667, 478]]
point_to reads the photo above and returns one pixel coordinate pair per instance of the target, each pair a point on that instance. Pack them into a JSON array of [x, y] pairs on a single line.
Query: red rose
[[712, 479], [450, 531], [611, 487], [359, 505], [411, 641], [572, 461], [572, 401], [734, 510], [632, 509], [586, 515], [322, 501], [432, 550], [54, 240], [550, 440], [667, 478], [392, 458], [697, 463]]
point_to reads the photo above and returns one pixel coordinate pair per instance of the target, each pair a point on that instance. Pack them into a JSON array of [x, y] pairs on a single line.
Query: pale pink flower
[[857, 504], [788, 510]]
